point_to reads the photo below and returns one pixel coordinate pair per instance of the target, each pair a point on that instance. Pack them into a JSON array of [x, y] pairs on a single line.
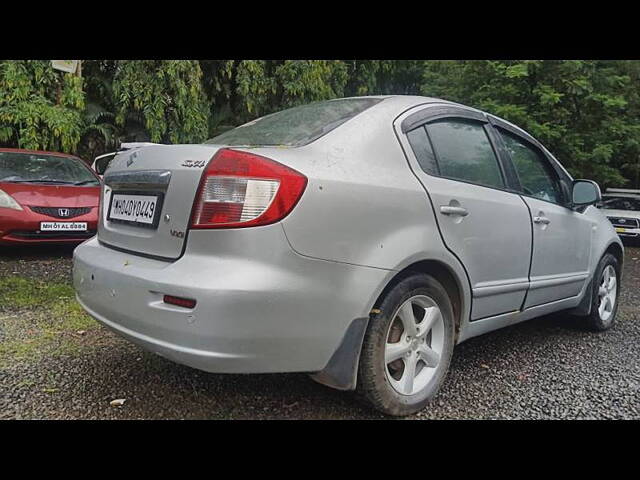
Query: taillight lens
[[240, 189]]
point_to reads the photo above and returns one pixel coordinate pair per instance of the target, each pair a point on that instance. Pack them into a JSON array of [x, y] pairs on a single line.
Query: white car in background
[[622, 208], [101, 163]]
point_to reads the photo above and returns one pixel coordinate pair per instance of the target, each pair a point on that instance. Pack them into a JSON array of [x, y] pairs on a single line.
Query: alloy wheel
[[607, 292], [414, 345]]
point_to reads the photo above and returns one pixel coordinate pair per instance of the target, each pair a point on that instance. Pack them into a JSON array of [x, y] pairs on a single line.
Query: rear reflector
[[179, 301], [240, 189]]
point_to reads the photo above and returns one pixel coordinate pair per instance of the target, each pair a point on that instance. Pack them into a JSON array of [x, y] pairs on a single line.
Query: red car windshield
[[41, 168]]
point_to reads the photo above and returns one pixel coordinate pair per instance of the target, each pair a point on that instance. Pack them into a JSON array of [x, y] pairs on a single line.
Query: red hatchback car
[[46, 197]]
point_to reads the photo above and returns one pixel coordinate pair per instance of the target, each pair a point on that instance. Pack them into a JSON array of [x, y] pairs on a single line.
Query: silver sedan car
[[356, 239]]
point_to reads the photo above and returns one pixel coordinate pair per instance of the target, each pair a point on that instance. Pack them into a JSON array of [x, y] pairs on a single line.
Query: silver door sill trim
[[489, 290], [554, 282], [479, 327]]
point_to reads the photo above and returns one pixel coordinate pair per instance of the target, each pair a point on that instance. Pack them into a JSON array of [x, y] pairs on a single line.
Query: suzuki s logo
[[63, 212], [131, 158]]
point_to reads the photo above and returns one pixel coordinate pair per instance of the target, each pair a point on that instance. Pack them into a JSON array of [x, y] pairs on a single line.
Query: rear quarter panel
[[363, 205]]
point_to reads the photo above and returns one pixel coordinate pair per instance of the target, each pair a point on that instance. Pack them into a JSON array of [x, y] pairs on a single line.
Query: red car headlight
[[7, 201]]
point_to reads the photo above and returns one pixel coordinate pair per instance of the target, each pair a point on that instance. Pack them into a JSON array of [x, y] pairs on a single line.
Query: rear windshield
[[296, 126], [621, 203], [39, 168]]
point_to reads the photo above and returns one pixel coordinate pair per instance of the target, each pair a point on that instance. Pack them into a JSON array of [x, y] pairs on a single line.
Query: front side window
[[536, 177], [464, 152]]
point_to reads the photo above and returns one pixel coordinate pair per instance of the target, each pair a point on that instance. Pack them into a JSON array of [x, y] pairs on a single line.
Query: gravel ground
[[548, 368]]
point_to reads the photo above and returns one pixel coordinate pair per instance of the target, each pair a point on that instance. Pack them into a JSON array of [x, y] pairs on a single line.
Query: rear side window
[[422, 149], [464, 152], [536, 176], [296, 126]]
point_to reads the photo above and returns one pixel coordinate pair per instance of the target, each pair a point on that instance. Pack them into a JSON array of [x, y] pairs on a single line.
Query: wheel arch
[[584, 307], [616, 250], [341, 371], [441, 272]]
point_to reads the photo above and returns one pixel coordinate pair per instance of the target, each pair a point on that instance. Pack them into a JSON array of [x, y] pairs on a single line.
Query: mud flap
[[342, 370], [584, 307]]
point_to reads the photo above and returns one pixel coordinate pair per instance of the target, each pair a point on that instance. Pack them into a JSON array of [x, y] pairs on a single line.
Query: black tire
[[373, 385], [593, 320]]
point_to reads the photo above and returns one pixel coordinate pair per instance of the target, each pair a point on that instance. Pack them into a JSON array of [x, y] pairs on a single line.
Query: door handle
[[543, 220], [449, 210]]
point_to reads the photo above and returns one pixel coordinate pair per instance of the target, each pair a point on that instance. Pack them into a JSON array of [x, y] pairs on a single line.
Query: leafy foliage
[[586, 112], [167, 94], [39, 107]]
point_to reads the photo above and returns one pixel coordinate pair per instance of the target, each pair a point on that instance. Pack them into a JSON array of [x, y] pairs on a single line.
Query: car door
[[561, 236], [481, 221]]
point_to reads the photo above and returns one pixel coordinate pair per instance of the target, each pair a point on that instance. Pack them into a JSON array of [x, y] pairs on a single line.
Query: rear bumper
[[261, 307]]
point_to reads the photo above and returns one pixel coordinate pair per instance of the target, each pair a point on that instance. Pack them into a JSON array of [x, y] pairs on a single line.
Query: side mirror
[[585, 192]]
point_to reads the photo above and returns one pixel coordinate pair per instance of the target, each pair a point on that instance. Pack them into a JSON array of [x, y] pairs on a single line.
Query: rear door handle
[[543, 220], [449, 210]]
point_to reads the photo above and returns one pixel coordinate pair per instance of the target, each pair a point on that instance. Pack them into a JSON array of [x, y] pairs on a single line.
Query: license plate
[[620, 230], [63, 226], [135, 209]]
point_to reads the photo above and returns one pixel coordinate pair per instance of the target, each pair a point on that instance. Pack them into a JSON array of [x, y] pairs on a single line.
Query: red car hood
[[36, 195]]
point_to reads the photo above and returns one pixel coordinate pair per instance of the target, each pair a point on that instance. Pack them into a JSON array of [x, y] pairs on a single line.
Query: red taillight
[[240, 189], [179, 301]]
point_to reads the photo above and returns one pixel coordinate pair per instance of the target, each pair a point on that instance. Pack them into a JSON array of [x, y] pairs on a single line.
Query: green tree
[[166, 94], [245, 89], [40, 108], [585, 112]]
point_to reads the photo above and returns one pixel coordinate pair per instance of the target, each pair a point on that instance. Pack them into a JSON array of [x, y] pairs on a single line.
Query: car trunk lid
[[148, 196]]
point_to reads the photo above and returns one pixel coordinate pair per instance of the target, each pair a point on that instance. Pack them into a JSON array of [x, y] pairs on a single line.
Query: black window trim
[[439, 112]]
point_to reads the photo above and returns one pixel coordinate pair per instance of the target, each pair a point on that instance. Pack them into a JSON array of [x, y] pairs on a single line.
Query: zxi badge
[[194, 163]]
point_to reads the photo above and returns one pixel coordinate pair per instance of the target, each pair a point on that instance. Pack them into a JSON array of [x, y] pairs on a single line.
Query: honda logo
[[63, 212]]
